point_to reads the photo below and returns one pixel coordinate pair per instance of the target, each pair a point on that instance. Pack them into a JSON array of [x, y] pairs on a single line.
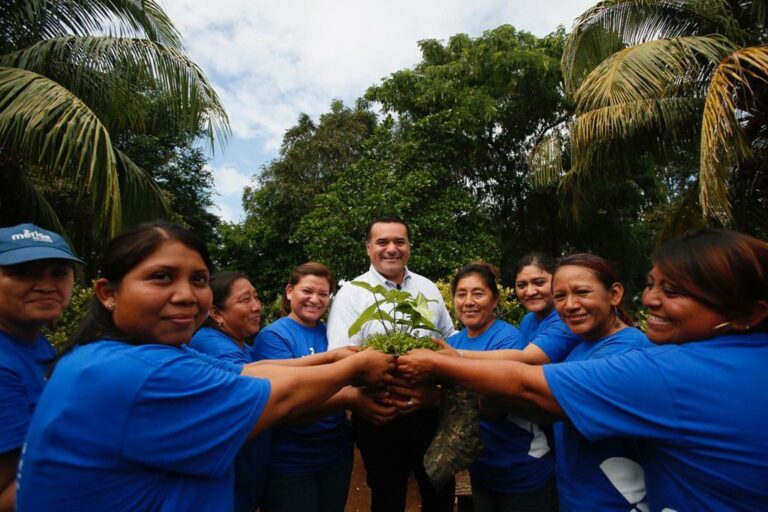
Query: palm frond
[[46, 124], [546, 160], [79, 63], [635, 126], [722, 139], [655, 69], [612, 25], [32, 20], [142, 198]]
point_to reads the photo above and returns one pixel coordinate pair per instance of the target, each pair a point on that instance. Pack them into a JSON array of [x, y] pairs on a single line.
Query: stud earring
[[111, 306]]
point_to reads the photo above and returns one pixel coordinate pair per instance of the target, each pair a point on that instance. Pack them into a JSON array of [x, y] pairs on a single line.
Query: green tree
[[476, 106], [73, 75], [672, 81], [312, 157], [397, 176]]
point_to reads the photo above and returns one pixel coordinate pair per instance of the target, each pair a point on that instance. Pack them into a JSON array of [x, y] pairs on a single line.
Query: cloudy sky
[[272, 60]]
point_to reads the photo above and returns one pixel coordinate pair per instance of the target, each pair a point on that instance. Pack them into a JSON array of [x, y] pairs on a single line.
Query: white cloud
[[229, 183], [271, 61]]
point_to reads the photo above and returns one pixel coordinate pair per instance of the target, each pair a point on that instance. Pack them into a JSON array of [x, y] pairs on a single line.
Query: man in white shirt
[[392, 450]]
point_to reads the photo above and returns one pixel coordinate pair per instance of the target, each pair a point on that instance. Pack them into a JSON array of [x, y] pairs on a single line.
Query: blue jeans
[[324, 491]]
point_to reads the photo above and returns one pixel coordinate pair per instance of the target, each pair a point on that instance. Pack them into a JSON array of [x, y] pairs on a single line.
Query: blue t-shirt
[[138, 427], [550, 334], [516, 457], [217, 344], [698, 409], [311, 448], [253, 458], [606, 474], [22, 376]]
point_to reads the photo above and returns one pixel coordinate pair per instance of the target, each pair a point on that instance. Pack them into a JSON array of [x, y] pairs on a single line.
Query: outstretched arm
[[531, 354], [295, 391], [521, 383], [331, 356], [419, 369]]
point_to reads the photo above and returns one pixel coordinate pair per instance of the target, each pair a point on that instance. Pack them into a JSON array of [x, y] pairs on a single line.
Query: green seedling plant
[[400, 314]]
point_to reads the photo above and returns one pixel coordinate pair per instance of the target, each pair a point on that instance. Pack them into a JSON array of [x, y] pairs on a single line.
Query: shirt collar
[[406, 277]]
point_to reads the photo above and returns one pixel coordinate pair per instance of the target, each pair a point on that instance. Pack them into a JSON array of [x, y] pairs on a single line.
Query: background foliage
[[645, 120]]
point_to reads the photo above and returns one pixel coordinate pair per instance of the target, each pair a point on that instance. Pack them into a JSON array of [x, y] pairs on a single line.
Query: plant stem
[[378, 309]]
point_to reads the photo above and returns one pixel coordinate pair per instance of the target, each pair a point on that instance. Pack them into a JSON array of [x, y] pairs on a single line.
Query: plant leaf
[[371, 314]]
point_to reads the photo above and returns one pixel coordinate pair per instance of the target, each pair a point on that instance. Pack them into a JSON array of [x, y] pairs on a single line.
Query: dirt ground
[[359, 499]]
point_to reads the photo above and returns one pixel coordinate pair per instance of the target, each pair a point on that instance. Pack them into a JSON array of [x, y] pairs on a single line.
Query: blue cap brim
[[27, 254]]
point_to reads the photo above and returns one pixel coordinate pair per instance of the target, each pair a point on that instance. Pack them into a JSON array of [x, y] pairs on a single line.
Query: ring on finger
[[409, 403]]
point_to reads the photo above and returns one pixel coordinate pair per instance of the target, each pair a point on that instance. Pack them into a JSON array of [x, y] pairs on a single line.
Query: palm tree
[[665, 77], [73, 73]]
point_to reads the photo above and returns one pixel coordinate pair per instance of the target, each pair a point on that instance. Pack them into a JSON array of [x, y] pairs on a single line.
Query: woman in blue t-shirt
[[590, 475], [37, 270], [547, 338], [132, 418], [515, 470], [694, 404], [233, 321], [311, 463]]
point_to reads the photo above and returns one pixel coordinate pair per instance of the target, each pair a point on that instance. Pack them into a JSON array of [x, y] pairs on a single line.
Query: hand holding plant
[[417, 365]]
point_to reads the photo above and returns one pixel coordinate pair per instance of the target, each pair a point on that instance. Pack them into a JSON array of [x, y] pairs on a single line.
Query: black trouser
[[390, 452]]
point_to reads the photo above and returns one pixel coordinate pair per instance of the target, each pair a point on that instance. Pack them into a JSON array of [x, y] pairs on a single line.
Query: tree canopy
[[665, 81], [76, 74]]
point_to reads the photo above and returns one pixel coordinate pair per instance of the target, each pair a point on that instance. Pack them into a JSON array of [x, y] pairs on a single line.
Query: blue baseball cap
[[27, 242]]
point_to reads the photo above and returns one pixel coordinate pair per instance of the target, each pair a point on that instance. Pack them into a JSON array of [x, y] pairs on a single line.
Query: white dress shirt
[[352, 300]]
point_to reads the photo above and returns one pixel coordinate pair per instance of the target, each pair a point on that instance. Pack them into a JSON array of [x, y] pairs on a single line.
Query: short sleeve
[[191, 417], [510, 339], [271, 345], [15, 410], [227, 360], [556, 341], [621, 396]]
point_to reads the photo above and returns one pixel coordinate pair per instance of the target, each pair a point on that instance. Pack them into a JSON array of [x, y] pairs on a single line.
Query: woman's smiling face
[[163, 299], [673, 315], [533, 287], [33, 294], [309, 299], [240, 316], [583, 302], [474, 303]]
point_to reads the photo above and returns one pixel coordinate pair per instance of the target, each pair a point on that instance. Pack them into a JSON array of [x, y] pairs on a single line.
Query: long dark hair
[[123, 254], [221, 286], [601, 269], [311, 268], [724, 270]]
